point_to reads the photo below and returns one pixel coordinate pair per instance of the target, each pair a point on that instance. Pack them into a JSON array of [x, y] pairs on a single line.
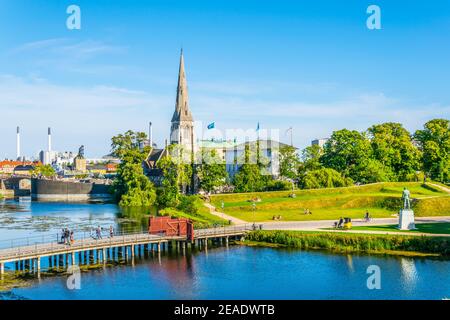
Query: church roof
[[182, 112]]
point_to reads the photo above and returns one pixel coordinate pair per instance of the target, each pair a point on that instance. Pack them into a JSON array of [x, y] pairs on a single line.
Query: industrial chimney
[[18, 143], [49, 139]]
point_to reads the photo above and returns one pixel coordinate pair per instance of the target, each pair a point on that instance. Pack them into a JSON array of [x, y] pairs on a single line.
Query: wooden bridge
[[27, 253]]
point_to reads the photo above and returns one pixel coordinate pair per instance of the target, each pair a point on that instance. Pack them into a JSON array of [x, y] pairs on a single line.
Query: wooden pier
[[27, 257]]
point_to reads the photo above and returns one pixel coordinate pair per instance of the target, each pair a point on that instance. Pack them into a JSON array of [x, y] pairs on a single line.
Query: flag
[[257, 127], [211, 125]]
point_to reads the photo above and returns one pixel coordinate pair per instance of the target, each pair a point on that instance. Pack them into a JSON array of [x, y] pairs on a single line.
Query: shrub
[[189, 204], [324, 178], [279, 185]]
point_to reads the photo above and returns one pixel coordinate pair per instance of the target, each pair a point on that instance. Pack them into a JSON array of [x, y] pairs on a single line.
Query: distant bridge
[[26, 253]]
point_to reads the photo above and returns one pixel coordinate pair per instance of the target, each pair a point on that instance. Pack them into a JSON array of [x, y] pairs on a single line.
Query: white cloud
[[91, 115]]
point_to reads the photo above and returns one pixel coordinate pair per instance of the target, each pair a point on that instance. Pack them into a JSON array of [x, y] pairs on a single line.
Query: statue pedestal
[[406, 220]]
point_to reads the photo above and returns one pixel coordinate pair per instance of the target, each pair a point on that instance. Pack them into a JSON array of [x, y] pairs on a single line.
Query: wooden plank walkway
[[37, 251]]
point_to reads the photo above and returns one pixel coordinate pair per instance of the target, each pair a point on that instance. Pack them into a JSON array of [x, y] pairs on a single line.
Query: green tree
[[212, 171], [177, 175], [392, 146], [324, 178], [434, 142], [311, 158], [371, 170], [250, 176], [131, 187], [346, 151], [44, 171], [289, 162]]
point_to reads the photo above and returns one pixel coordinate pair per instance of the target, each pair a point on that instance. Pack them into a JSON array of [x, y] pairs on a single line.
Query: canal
[[236, 272]]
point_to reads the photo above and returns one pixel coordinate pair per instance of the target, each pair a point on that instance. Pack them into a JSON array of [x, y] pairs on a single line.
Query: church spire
[[182, 112]]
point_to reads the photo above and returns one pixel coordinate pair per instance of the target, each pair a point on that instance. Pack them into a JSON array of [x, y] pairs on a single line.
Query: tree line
[[384, 152]]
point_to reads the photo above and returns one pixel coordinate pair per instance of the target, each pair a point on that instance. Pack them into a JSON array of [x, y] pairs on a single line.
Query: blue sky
[[312, 65]]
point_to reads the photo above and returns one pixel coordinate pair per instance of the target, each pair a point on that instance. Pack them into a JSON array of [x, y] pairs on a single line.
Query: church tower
[[182, 129]]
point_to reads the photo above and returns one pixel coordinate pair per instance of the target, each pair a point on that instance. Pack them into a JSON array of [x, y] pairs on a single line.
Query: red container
[[167, 226]]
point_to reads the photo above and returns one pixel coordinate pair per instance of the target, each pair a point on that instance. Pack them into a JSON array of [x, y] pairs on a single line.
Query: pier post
[[132, 251], [38, 267], [104, 257], [2, 269], [159, 247], [73, 258], [79, 258], [226, 241], [91, 257]]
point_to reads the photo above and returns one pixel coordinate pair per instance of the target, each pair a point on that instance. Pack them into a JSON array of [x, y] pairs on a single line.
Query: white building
[[319, 142]]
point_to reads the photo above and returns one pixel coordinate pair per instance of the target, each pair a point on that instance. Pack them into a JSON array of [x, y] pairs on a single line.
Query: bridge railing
[[53, 242], [56, 238]]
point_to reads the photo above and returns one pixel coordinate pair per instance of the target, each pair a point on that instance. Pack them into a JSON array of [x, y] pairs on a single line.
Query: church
[[182, 135]]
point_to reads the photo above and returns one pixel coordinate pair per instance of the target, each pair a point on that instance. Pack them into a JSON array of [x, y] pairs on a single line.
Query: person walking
[[99, 232], [111, 231]]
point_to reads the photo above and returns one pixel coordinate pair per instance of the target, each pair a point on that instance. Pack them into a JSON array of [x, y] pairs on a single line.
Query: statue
[[406, 199], [406, 214], [81, 152]]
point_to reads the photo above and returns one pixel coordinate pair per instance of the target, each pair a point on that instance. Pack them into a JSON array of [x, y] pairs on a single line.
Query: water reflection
[[409, 273], [22, 218]]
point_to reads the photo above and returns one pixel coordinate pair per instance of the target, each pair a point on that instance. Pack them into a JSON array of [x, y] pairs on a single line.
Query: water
[[234, 273], [21, 219]]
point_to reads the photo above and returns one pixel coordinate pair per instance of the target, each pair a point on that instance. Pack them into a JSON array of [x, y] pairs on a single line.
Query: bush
[[324, 178], [189, 204], [353, 242], [279, 185]]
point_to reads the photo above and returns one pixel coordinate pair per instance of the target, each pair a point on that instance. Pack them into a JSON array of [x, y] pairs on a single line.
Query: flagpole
[[291, 138]]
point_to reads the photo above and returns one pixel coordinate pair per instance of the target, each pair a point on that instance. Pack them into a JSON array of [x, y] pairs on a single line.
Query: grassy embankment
[[381, 200], [202, 219], [431, 228], [339, 242]]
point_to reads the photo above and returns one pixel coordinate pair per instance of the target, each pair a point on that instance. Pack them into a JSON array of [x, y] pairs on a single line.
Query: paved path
[[319, 225], [213, 211], [439, 187]]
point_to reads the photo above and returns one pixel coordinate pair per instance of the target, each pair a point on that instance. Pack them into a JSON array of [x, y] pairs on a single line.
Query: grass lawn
[[381, 200], [436, 228]]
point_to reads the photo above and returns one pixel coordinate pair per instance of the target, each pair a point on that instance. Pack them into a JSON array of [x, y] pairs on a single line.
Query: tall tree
[[250, 177], [131, 187], [177, 172], [345, 151], [212, 171], [311, 157], [392, 146], [434, 142], [289, 162]]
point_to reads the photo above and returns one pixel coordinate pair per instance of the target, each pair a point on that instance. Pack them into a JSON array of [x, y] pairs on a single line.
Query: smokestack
[[49, 139], [18, 143], [150, 135]]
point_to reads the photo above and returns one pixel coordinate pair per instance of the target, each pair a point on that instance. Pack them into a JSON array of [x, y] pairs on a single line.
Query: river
[[237, 272]]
